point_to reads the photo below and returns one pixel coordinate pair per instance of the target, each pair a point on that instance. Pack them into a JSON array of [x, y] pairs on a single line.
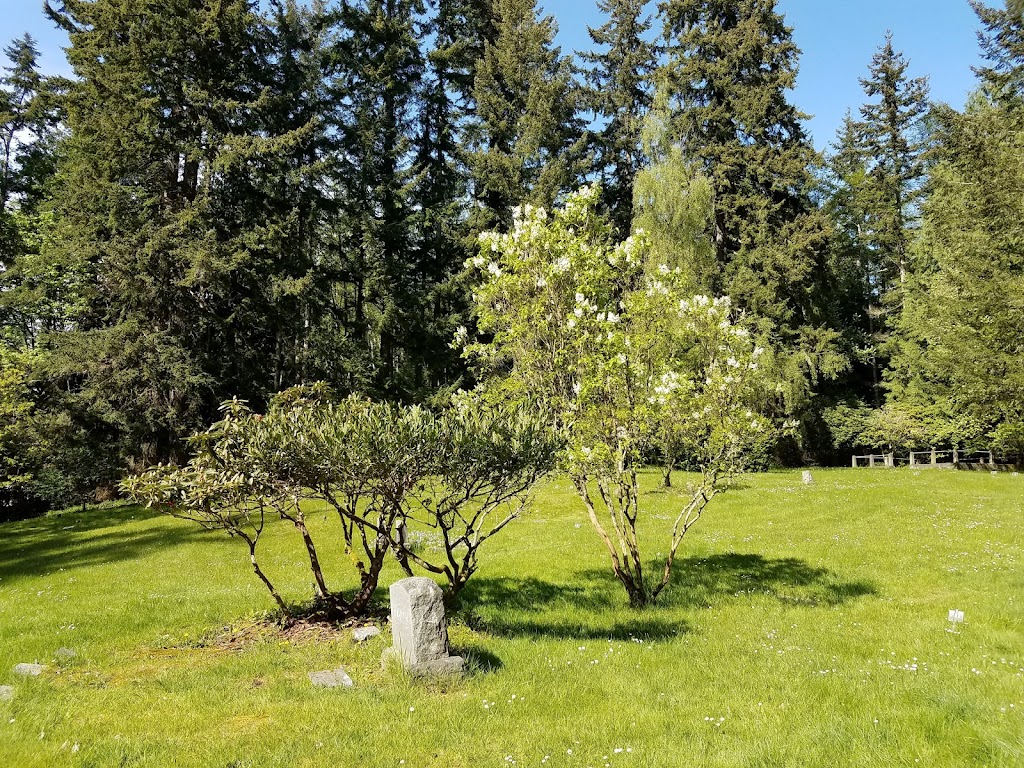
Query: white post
[[853, 462], [911, 458], [934, 457]]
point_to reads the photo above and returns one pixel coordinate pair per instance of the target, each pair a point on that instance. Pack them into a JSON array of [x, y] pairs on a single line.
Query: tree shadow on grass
[[593, 606], [76, 540]]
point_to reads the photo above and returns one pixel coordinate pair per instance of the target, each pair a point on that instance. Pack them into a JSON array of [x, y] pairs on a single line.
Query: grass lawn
[[807, 626]]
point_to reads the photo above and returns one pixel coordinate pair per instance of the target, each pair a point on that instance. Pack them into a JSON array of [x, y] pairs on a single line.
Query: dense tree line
[[233, 198]]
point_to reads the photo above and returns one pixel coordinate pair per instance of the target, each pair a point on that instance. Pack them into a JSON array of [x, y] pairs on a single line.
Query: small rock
[[65, 653], [331, 678], [362, 634], [449, 666], [6, 692], [29, 670]]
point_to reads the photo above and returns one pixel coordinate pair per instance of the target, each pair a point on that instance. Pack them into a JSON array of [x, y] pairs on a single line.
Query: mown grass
[[806, 627]]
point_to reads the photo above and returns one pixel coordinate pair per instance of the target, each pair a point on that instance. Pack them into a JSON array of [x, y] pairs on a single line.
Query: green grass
[[806, 627]]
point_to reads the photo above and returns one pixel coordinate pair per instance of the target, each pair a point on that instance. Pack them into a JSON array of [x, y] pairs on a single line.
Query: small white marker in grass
[[955, 617]]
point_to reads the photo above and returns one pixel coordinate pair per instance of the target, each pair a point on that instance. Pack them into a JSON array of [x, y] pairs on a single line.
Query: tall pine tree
[[961, 346], [161, 206], [619, 92], [729, 67], [876, 178], [525, 135]]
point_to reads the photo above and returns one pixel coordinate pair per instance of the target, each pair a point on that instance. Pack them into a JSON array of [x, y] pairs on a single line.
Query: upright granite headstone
[[808, 477], [419, 634]]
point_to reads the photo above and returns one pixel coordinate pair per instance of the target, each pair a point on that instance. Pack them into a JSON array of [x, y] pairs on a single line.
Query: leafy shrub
[[465, 473]]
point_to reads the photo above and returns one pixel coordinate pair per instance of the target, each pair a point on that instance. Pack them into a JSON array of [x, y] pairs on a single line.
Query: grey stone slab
[[29, 670], [362, 634], [417, 620], [450, 666], [331, 678], [6, 692], [808, 478], [65, 653]]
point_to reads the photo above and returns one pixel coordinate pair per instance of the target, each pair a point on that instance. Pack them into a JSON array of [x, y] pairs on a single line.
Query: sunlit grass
[[807, 626]]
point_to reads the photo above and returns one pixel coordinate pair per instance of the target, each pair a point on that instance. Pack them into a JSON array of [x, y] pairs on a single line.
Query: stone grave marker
[[331, 678], [29, 670], [419, 633], [362, 634], [808, 477]]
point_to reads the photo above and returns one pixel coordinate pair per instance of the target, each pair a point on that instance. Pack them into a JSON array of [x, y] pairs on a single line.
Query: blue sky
[[837, 38]]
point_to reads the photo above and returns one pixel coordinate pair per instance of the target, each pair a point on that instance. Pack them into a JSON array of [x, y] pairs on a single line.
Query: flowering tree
[[619, 359]]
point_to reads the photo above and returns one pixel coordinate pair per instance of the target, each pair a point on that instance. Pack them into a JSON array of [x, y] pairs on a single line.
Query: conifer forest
[[231, 198]]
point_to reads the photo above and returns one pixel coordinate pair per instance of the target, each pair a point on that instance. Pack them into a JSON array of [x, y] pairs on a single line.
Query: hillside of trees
[[229, 199]]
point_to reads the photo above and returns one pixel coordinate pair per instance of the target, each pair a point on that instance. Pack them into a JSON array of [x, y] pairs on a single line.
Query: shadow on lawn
[[594, 605], [74, 540]]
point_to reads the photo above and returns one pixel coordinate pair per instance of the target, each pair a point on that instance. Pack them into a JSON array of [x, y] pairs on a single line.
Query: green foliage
[[465, 473], [525, 138], [727, 76], [619, 92], [613, 351], [729, 68], [964, 340], [875, 186], [673, 206]]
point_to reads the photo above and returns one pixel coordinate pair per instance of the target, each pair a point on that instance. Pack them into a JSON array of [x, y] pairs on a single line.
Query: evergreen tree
[[161, 208], [961, 346], [619, 93], [441, 188], [525, 136], [30, 131], [375, 88], [961, 341], [729, 67], [892, 144], [876, 180], [1002, 45], [728, 70]]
